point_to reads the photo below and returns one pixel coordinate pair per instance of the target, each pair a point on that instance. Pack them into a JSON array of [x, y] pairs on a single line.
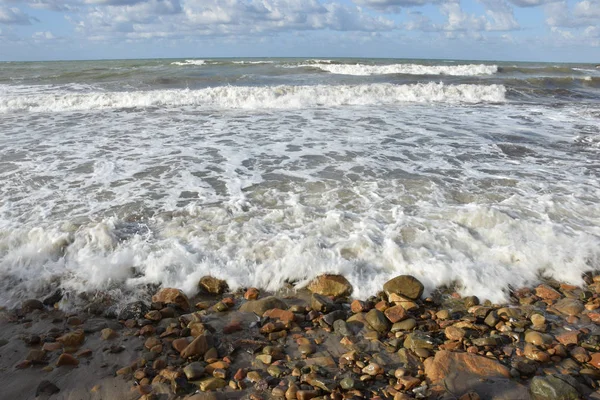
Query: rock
[[568, 338], [46, 388], [198, 347], [36, 356], [454, 333], [418, 340], [72, 339], [306, 394], [341, 328], [251, 294], [180, 344], [470, 301], [53, 298], [134, 310], [373, 369], [260, 306], [378, 321], [569, 306], [107, 334], [31, 305], [172, 296], [538, 319], [193, 371], [464, 372], [330, 285], [322, 303], [358, 306], [212, 383], [153, 315], [547, 293], [66, 359], [551, 388], [278, 313], [396, 314], [537, 338], [595, 360], [492, 319], [53, 346], [404, 285], [211, 285], [406, 325], [334, 316]]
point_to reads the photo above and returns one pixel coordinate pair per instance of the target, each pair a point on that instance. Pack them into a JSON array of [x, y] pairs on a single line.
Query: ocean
[[118, 176]]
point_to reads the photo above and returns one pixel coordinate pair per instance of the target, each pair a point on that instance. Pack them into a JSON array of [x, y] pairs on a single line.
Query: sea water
[[117, 176]]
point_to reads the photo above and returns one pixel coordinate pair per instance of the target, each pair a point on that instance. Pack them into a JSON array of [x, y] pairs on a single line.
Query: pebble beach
[[314, 343]]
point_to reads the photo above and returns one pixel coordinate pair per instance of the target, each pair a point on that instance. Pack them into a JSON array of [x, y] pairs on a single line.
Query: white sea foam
[[253, 62], [408, 69], [275, 97], [261, 198], [189, 62]]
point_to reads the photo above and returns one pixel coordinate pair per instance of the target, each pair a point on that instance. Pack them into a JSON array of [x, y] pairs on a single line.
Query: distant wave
[[257, 97], [189, 62], [253, 62], [408, 69]]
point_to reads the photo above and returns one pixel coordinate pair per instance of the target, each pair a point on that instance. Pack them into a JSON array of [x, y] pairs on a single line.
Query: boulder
[[552, 388], [172, 296], [404, 285], [330, 285], [211, 285], [259, 307], [464, 372]]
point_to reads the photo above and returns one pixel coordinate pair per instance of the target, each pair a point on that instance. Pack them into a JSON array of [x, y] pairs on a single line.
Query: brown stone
[[53, 346], [212, 285], [180, 344], [404, 285], [197, 348], [107, 334], [153, 315], [233, 326], [282, 315], [330, 285], [546, 292], [396, 314], [595, 360], [461, 368], [580, 354], [260, 306], [306, 394], [358, 306], [172, 296], [251, 294], [72, 339], [66, 359], [454, 333], [568, 338], [569, 306], [151, 342]]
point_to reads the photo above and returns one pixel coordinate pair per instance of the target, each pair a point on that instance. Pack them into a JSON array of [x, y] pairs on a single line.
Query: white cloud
[[501, 16], [13, 16], [395, 5], [531, 3]]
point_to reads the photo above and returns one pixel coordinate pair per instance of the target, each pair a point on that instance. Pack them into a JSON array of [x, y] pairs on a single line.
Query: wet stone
[[378, 321], [193, 371], [406, 325], [341, 328]]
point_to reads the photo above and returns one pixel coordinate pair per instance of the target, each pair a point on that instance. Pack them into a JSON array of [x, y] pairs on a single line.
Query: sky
[[518, 30]]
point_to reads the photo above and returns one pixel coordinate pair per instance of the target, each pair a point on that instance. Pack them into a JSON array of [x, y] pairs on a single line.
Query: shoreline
[[312, 343]]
